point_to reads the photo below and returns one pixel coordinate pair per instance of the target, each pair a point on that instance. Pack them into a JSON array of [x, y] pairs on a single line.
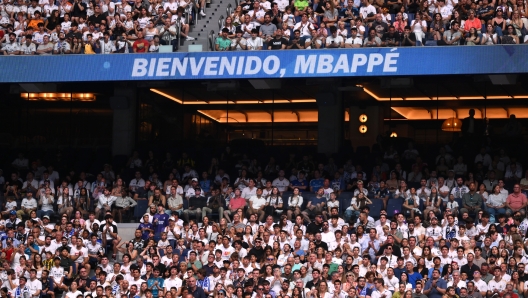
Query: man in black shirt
[[257, 250], [392, 38], [196, 204], [316, 275], [295, 43], [316, 226], [97, 18], [408, 38], [278, 42], [275, 14]]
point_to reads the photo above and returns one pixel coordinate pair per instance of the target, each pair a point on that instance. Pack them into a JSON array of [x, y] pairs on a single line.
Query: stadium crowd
[[238, 228], [363, 23], [44, 27]]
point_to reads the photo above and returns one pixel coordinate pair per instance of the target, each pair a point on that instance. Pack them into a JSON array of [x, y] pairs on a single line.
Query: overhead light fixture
[[223, 102], [53, 96], [475, 97], [363, 129], [393, 135], [452, 125], [363, 118]]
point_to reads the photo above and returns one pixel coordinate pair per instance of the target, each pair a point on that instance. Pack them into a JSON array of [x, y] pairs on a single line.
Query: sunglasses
[[271, 259]]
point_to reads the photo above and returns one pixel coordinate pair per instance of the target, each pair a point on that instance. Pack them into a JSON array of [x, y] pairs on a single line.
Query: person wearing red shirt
[[472, 22], [140, 45], [238, 202], [516, 201]]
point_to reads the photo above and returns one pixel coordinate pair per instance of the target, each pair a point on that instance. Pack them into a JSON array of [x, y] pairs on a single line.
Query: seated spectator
[[452, 36], [353, 41], [372, 40], [392, 38], [295, 42], [334, 40], [278, 42], [239, 43]]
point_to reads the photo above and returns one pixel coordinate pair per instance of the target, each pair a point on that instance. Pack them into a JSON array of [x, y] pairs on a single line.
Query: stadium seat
[[344, 201], [344, 204], [375, 208], [394, 206], [140, 209]]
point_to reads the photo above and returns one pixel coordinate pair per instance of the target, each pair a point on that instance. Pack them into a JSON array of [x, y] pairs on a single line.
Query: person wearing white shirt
[[104, 203], [257, 204], [34, 285], [65, 202], [30, 184], [380, 291], [137, 182], [249, 191], [353, 41], [28, 204], [334, 40], [497, 285], [107, 46], [281, 182]]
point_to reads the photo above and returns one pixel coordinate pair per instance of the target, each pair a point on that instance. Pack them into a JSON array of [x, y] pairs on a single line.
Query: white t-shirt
[[257, 202], [83, 253], [282, 185]]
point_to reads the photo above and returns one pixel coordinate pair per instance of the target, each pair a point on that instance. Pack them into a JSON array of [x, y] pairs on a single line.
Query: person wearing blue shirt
[[300, 183], [160, 221], [435, 287], [436, 265], [145, 227], [155, 282], [205, 182], [411, 275], [316, 182]]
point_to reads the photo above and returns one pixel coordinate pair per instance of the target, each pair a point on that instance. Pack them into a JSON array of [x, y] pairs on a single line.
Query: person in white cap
[[189, 191]]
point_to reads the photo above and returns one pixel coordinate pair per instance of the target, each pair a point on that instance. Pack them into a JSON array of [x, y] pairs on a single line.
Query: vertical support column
[[124, 105], [330, 121]]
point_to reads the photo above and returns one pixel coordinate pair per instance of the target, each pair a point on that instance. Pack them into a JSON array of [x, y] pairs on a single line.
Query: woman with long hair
[[432, 204], [437, 26], [510, 36], [427, 257], [274, 203], [402, 192], [421, 267], [411, 203], [295, 202], [38, 265], [518, 283], [238, 16], [53, 20]]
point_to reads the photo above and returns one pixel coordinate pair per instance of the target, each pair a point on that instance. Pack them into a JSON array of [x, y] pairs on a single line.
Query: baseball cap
[[46, 216], [194, 179], [13, 212]]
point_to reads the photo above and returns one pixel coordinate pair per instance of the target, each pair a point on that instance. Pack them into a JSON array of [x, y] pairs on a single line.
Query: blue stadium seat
[[344, 201], [140, 209], [344, 204], [375, 208], [460, 205], [394, 205]]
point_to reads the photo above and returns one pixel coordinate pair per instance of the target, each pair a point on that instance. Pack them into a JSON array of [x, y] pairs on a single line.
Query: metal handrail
[[221, 22], [229, 10], [212, 40], [178, 34], [188, 16]]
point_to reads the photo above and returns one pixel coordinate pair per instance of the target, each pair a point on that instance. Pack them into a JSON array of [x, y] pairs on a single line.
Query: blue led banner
[[412, 61]]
